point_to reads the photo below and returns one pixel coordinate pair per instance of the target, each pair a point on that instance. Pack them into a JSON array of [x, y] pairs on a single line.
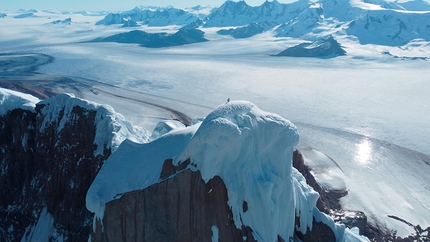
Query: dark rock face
[[180, 208], [351, 219], [326, 47], [246, 31], [328, 201], [157, 40], [17, 170], [320, 232], [130, 23], [49, 170]]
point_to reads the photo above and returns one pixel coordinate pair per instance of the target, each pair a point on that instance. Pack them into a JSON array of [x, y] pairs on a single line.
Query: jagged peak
[[231, 3]]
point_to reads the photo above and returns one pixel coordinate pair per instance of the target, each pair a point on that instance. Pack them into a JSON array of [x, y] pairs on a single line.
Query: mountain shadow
[[157, 40], [326, 47]]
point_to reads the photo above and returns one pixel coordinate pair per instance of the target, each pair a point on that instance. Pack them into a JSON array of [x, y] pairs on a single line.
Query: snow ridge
[[251, 151], [112, 128], [10, 100]]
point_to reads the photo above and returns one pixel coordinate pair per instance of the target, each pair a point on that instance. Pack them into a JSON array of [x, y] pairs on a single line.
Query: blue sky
[[110, 5]]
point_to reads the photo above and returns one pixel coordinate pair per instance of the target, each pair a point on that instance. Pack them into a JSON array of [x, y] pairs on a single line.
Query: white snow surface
[[10, 100], [111, 127], [165, 127], [251, 150]]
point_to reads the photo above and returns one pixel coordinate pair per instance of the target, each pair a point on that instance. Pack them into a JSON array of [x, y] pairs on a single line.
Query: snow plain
[[367, 111]]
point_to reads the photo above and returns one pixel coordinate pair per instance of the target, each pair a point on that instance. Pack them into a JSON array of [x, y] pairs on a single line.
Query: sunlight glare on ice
[[363, 152]]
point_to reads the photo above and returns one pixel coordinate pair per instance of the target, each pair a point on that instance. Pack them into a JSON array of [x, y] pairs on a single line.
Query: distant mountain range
[[380, 22]]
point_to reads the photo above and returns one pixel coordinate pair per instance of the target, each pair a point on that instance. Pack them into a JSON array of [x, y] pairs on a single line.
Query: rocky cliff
[[48, 160], [183, 207], [51, 154], [180, 208], [326, 47]]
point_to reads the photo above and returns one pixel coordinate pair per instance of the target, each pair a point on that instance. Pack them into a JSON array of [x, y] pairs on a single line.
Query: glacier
[[364, 110]]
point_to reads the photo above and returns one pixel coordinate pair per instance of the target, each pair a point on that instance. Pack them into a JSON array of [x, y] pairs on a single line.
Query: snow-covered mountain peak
[[233, 7], [200, 10], [249, 149]]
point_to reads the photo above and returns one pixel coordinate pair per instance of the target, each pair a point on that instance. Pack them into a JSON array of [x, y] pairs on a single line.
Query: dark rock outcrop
[[328, 201], [129, 24], [17, 170], [320, 232], [157, 40], [325, 47], [180, 208], [47, 169], [246, 31]]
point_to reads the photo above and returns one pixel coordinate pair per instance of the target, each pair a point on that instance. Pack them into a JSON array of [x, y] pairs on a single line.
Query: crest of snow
[[10, 100], [239, 13], [302, 24], [365, 6], [165, 127], [111, 127], [251, 150], [200, 10], [152, 16]]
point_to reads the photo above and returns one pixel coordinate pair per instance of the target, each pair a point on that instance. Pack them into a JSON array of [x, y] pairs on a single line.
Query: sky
[[109, 5]]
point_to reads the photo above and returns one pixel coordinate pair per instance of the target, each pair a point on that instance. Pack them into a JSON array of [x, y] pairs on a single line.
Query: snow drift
[[249, 149]]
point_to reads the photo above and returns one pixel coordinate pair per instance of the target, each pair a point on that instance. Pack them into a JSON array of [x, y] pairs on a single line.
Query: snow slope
[[10, 100], [251, 150]]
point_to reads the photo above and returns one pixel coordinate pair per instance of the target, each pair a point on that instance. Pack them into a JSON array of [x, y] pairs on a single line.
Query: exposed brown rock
[[328, 201], [350, 219], [169, 169], [180, 208], [46, 168], [17, 167], [320, 232]]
